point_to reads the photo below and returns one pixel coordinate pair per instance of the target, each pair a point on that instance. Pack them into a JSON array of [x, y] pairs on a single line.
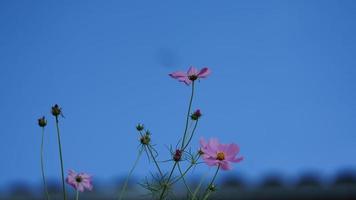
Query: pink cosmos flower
[[192, 75], [217, 154], [79, 181]]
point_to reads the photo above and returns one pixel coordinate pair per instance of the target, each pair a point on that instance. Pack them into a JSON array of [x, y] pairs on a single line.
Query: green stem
[[186, 171], [191, 135], [185, 183], [169, 178], [154, 159], [130, 173], [207, 191], [61, 159], [188, 114], [77, 195], [183, 140], [42, 168], [199, 185]]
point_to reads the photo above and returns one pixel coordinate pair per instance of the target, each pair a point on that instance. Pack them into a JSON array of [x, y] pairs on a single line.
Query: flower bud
[[56, 110], [196, 115], [200, 152], [178, 155], [42, 122], [140, 127], [145, 139], [212, 188]]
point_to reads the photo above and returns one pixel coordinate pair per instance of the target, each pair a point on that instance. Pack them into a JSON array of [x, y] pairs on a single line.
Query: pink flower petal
[[232, 150], [87, 185], [187, 81], [178, 74], [203, 143], [224, 165], [213, 145], [211, 149], [236, 160], [80, 188], [211, 162], [204, 72], [192, 71], [84, 181], [71, 172]]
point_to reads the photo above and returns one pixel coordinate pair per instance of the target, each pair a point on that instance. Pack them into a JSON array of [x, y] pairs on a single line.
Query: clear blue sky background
[[283, 82]]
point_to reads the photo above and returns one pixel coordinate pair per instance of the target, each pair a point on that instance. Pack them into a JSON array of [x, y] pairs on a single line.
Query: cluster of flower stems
[[161, 184], [182, 159], [79, 181]]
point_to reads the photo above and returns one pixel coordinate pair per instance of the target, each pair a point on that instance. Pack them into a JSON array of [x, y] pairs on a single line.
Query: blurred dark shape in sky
[[230, 187], [167, 57], [21, 189], [309, 179], [346, 177], [233, 180], [53, 186], [272, 180]]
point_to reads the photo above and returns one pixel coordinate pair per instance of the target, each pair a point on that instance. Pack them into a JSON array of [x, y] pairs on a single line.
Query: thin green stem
[[141, 134], [183, 140], [185, 183], [199, 185], [187, 170], [191, 135], [42, 167], [208, 191], [130, 173], [154, 160], [169, 178], [188, 114], [61, 159], [182, 174], [77, 195]]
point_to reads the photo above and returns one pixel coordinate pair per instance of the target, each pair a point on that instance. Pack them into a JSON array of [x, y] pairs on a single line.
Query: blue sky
[[283, 82]]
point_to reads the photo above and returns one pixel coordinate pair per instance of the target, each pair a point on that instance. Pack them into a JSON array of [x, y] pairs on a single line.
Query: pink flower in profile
[[217, 154], [79, 181], [192, 75]]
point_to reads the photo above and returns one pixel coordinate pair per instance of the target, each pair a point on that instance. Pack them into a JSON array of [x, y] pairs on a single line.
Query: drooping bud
[[42, 122], [178, 155], [196, 115], [140, 127], [56, 110]]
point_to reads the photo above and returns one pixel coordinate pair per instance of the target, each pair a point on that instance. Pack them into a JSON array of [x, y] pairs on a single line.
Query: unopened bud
[[212, 188], [196, 115], [56, 110], [145, 139], [140, 127], [178, 155], [42, 122]]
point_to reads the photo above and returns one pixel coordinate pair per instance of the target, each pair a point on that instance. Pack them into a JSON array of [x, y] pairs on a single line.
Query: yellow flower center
[[220, 156]]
